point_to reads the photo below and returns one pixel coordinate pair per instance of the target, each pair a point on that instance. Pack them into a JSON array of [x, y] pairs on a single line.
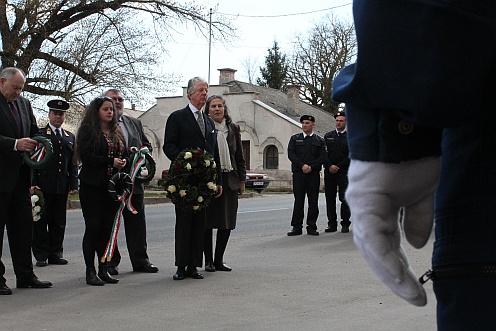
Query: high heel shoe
[[104, 275], [92, 278]]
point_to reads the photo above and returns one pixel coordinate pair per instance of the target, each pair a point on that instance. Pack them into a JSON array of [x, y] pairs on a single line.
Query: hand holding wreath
[[190, 183]]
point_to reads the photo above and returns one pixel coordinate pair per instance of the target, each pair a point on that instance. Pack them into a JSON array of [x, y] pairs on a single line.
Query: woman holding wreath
[[221, 213], [101, 150]]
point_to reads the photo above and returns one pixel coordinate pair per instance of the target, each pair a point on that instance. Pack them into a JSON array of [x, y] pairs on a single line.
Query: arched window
[[271, 157]]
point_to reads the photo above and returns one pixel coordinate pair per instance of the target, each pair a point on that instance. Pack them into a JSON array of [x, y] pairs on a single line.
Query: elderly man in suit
[[56, 181], [17, 125], [191, 128], [134, 224]]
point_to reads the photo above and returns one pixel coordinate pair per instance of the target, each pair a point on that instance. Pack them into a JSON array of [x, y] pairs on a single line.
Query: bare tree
[[250, 66], [318, 57], [70, 48]]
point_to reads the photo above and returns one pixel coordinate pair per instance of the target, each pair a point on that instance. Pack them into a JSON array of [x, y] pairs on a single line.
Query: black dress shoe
[[33, 282], [41, 263], [180, 274], [150, 268], [295, 232], [5, 290], [222, 267], [114, 271], [193, 273], [331, 229], [312, 232], [59, 261], [345, 229], [209, 266]]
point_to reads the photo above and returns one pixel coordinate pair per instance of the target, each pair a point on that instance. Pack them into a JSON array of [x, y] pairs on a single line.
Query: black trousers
[[190, 234], [16, 215], [99, 211], [332, 182], [135, 228], [49, 231], [306, 185]]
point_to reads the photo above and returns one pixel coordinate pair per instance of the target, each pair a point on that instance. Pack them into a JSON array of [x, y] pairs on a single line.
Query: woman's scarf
[[225, 157]]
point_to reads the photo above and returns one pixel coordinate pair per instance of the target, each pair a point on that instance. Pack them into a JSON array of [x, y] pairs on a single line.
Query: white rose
[[207, 163], [171, 188], [182, 193], [37, 209], [188, 166], [196, 207], [211, 186], [214, 165], [200, 199], [36, 218], [188, 155], [34, 199]]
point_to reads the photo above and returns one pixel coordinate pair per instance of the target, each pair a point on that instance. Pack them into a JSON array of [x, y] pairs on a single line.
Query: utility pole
[[209, 45]]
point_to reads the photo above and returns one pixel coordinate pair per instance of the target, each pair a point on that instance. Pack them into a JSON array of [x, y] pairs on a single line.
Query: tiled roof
[[324, 121]]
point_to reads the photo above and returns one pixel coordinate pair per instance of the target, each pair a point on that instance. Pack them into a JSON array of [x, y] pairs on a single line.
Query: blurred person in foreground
[[421, 106], [222, 212]]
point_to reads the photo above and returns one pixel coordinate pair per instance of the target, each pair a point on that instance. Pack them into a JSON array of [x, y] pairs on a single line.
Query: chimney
[[226, 75], [293, 93]]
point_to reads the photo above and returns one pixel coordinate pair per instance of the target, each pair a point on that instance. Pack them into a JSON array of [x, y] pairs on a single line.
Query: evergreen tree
[[275, 71]]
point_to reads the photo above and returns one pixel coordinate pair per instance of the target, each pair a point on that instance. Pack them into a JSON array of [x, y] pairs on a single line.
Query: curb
[[75, 204]]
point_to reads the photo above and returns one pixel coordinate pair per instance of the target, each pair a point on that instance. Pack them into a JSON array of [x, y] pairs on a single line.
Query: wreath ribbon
[[39, 158], [126, 183]]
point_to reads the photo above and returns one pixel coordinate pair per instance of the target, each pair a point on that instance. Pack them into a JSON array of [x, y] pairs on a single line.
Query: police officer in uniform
[[336, 174], [307, 153], [56, 181]]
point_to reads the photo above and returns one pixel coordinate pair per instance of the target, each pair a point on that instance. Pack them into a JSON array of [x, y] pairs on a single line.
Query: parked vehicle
[[256, 181]]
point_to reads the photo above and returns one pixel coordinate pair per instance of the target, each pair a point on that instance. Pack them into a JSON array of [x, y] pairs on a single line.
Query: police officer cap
[[307, 118], [340, 113], [58, 105]]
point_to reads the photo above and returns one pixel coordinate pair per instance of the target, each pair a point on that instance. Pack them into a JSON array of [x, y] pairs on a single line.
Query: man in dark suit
[[336, 174], [56, 181], [134, 224], [17, 125], [191, 128]]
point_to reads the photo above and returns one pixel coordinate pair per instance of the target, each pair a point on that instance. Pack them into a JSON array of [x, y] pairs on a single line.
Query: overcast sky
[[259, 23]]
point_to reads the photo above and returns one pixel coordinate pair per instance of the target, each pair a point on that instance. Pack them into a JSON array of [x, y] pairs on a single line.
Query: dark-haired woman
[[222, 211], [101, 150]]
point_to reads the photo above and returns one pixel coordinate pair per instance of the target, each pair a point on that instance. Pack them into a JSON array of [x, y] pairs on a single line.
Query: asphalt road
[[277, 283]]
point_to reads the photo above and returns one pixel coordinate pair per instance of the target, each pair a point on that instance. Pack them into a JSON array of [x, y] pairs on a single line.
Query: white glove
[[376, 193]]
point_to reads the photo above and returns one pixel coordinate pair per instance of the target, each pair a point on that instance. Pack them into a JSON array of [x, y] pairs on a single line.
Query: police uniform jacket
[[337, 150], [309, 151], [60, 174]]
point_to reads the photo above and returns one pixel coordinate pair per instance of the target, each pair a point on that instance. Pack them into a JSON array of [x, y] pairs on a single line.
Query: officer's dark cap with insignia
[[340, 113], [307, 118], [58, 105]]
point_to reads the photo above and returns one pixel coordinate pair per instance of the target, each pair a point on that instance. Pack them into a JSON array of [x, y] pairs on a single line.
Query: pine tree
[[275, 71]]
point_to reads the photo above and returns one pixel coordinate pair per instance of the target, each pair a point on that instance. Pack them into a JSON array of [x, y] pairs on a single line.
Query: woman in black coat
[[101, 150], [222, 211]]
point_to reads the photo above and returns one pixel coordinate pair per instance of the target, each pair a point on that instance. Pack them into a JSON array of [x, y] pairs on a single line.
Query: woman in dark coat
[[221, 213], [101, 150]]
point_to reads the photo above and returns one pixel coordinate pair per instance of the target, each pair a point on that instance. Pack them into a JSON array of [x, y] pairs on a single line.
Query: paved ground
[[277, 283]]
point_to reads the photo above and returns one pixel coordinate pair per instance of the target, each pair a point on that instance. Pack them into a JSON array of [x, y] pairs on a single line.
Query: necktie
[[201, 122], [57, 134], [17, 118]]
